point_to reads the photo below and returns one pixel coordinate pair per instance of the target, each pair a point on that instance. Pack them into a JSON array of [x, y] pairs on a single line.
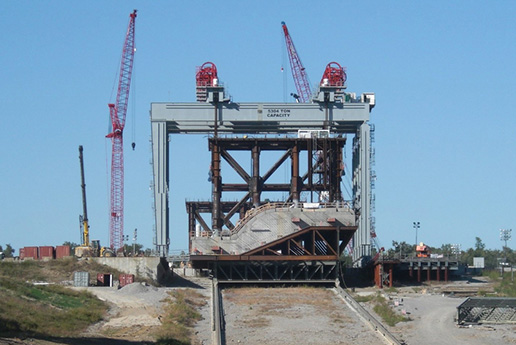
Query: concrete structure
[[145, 267], [268, 223], [331, 110], [386, 270]]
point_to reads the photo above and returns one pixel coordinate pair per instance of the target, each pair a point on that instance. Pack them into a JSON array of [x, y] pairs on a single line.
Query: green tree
[[480, 247], [8, 251], [128, 249], [72, 245], [446, 249], [466, 256], [400, 248]]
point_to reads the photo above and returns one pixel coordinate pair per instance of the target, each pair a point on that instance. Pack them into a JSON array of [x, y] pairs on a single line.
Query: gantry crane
[[298, 71], [117, 114]]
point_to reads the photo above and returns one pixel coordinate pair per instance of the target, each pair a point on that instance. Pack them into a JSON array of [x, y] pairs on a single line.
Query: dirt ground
[[299, 315], [433, 314], [296, 315]]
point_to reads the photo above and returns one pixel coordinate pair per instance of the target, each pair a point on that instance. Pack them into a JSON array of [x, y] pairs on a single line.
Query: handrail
[[279, 205]]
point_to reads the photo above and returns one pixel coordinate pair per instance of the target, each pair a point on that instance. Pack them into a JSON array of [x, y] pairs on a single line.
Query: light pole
[[456, 250], [416, 225], [505, 235], [134, 239]]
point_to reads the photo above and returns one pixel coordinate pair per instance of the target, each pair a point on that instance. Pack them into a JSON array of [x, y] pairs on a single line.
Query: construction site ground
[[433, 309], [294, 315]]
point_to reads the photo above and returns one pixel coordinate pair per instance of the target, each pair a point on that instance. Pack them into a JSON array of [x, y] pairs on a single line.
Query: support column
[[256, 185], [295, 182], [438, 276], [337, 172], [429, 271], [160, 167], [191, 225], [361, 191], [216, 221], [390, 275]]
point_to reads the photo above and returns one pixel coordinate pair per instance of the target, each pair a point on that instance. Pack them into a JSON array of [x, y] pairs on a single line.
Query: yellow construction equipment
[[87, 249]]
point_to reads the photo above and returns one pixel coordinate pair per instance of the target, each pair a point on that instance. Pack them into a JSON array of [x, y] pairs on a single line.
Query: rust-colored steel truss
[[310, 254], [323, 173]]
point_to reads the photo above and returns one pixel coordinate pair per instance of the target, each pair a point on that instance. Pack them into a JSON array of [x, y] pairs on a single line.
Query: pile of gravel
[[149, 294]]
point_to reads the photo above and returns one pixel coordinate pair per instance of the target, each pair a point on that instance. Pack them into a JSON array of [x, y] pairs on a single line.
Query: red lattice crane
[[117, 113], [298, 71]]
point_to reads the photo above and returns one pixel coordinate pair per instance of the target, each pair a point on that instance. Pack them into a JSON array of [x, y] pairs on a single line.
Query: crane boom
[[84, 220], [298, 71], [117, 113]]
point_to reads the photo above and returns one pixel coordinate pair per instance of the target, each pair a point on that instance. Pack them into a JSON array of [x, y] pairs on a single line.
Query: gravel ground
[[433, 319], [134, 314], [298, 315]]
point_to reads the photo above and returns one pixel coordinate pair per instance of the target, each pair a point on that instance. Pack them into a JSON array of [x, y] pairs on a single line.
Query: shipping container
[[62, 251], [104, 279], [81, 279], [126, 279], [46, 252], [31, 253]]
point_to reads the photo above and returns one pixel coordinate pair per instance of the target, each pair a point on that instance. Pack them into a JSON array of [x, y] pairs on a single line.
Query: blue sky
[[443, 73]]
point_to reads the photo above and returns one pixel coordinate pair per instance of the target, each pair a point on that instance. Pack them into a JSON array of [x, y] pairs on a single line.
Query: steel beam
[[259, 117], [361, 191], [160, 170]]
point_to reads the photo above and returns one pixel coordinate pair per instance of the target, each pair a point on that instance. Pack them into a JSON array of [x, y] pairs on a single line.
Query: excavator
[[87, 249]]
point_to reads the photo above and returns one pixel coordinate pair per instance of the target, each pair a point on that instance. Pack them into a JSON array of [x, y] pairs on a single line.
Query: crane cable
[[133, 109], [284, 65]]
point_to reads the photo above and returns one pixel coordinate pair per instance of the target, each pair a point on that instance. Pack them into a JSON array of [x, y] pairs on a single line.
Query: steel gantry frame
[[221, 116]]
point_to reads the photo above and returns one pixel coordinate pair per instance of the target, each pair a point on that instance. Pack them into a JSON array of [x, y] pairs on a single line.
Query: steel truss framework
[[195, 208], [311, 254], [324, 175], [219, 116], [276, 271], [487, 310]]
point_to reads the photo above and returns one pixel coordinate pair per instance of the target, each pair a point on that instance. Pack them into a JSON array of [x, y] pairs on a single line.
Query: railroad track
[[261, 319], [217, 315]]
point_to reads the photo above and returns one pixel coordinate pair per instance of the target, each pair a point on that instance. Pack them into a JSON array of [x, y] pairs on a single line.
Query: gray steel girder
[[258, 118]]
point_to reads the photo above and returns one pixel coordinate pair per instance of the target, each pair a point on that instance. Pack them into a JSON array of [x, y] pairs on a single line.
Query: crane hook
[[133, 145]]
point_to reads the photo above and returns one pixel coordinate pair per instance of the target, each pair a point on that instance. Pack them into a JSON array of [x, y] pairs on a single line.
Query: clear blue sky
[[444, 73]]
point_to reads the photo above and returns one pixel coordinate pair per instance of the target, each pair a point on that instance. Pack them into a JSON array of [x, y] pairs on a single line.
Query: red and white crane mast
[[298, 71], [117, 113]]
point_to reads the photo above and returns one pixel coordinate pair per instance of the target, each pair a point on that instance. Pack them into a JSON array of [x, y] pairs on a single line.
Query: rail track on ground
[[291, 314]]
